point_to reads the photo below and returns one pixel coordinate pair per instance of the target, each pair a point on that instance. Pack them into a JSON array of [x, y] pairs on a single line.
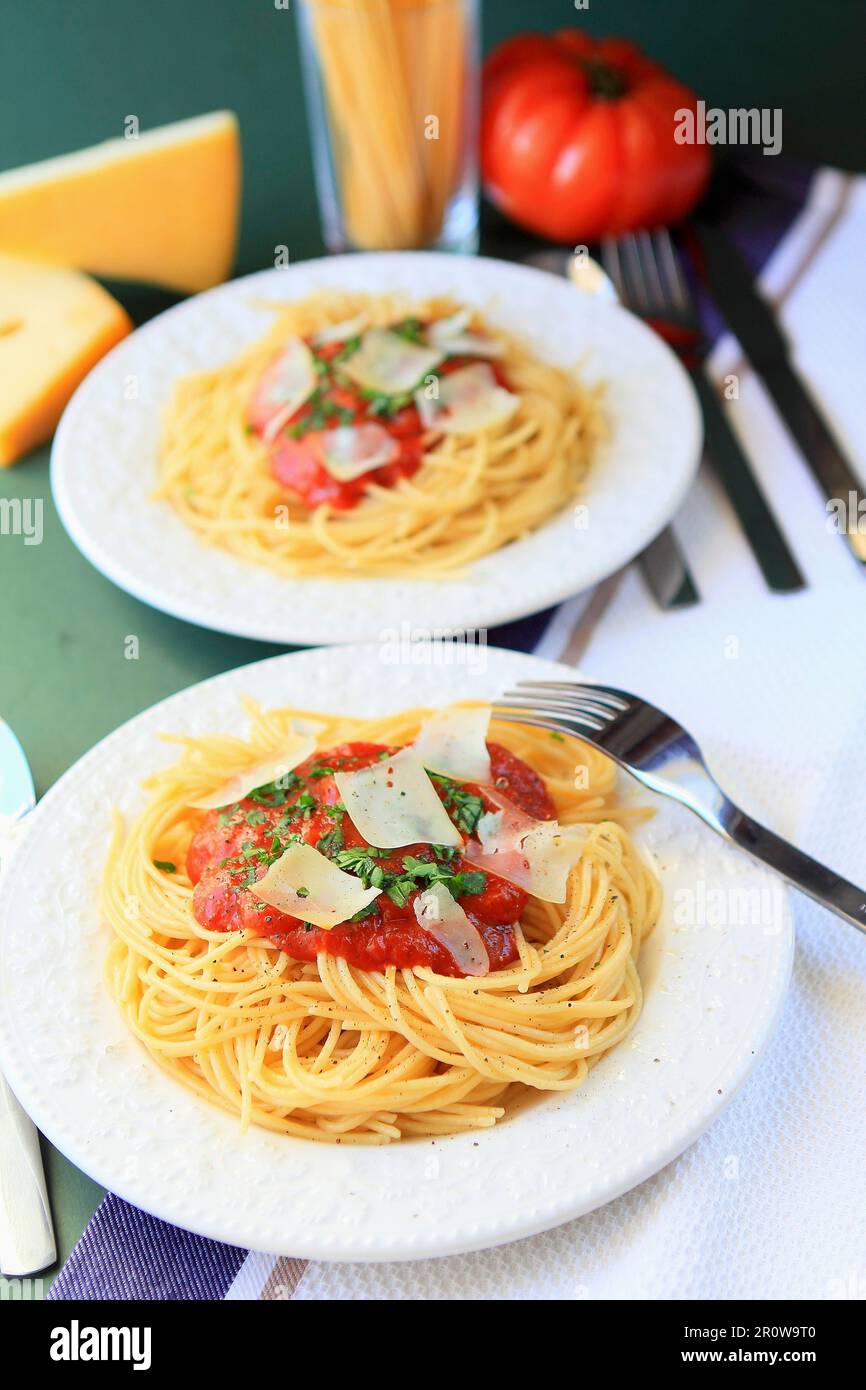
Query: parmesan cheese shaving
[[453, 742], [389, 364], [300, 746], [450, 335], [306, 885], [536, 855], [341, 332], [393, 803], [287, 384], [439, 914], [468, 400], [352, 450]]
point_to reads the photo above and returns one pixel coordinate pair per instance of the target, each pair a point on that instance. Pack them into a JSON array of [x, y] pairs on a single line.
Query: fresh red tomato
[[577, 137]]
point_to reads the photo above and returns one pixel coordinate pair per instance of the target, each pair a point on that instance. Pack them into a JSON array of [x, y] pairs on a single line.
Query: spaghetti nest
[[330, 1052], [472, 494]]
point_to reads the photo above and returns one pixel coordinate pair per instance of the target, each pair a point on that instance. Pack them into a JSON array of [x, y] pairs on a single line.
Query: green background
[[71, 73]]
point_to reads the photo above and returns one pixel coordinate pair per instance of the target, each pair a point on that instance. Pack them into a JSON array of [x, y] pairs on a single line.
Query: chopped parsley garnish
[[331, 842], [466, 883], [380, 404], [166, 866], [464, 807], [410, 329], [350, 347], [276, 793], [319, 412], [417, 874], [400, 890], [358, 860], [364, 912], [459, 885]]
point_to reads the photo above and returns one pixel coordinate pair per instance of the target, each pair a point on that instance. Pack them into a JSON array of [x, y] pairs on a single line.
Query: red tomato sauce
[[295, 455], [230, 851]]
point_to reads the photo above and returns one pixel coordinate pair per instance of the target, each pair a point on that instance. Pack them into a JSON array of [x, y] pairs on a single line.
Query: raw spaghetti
[[472, 494], [386, 66], [327, 1051]]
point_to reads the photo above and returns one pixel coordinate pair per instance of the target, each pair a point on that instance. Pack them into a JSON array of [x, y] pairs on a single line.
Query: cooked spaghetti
[[327, 448], [374, 1030]]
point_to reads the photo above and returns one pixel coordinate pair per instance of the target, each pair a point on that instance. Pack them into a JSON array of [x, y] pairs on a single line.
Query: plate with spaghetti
[[436, 981], [318, 453]]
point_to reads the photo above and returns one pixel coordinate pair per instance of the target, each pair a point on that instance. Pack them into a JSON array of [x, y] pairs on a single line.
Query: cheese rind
[[162, 207], [393, 803], [55, 324]]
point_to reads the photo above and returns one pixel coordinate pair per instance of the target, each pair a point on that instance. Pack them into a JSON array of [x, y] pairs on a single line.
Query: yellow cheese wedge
[[54, 325], [162, 207]]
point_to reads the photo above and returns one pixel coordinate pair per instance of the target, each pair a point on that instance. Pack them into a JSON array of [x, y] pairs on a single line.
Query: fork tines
[[588, 705]]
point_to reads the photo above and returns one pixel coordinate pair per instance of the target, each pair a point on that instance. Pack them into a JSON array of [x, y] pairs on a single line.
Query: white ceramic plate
[[712, 995], [103, 465]]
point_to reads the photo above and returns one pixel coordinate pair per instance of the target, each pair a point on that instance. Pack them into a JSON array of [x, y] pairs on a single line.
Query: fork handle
[[826, 887]]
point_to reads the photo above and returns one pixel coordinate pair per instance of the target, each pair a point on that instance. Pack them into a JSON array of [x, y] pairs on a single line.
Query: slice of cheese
[[297, 750], [283, 388], [536, 855], [303, 883], [454, 742], [341, 332], [387, 363], [450, 335], [439, 914], [162, 207], [54, 325], [349, 451], [393, 803], [466, 401]]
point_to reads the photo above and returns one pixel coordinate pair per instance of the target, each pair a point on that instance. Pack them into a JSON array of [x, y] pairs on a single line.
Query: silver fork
[[661, 754], [647, 275]]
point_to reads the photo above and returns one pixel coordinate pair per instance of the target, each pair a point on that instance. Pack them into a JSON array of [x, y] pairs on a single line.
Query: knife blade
[[26, 1232], [762, 339]]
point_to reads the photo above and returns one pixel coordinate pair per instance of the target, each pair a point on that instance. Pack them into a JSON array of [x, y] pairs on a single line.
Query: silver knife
[[26, 1232], [753, 322]]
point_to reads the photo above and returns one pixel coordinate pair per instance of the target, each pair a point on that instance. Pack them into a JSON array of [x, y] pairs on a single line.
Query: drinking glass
[[392, 97]]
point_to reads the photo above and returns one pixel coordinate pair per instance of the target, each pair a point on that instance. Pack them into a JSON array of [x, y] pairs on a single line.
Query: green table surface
[[65, 683], [69, 75]]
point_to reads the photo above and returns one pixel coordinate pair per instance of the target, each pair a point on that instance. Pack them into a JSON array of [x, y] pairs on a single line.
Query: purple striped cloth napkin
[[126, 1254]]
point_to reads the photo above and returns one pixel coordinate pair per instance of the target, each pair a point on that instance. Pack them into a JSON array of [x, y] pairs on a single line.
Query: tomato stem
[[605, 81]]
